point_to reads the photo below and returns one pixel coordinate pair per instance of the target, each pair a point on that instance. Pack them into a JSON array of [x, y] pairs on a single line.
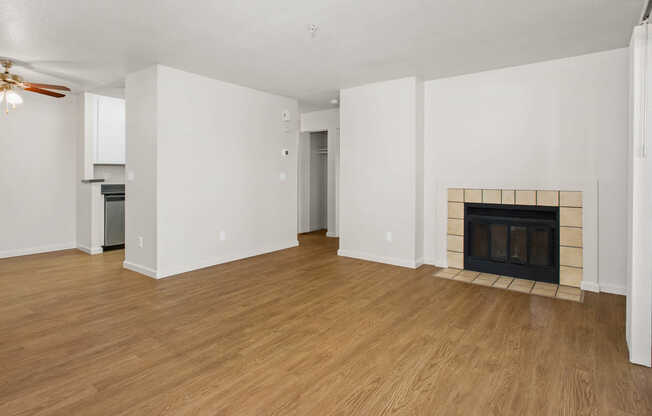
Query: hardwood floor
[[304, 332]]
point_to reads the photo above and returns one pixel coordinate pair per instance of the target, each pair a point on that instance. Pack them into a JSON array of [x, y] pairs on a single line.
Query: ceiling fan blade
[[47, 86], [44, 92]]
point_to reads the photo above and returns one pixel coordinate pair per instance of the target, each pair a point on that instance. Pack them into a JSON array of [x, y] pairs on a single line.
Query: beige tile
[[570, 199], [521, 285], [473, 195], [470, 273], [546, 286], [569, 293], [570, 276], [467, 276], [455, 243], [486, 279], [520, 282], [491, 196], [526, 197], [455, 210], [503, 282], [455, 195], [544, 289], [456, 227], [548, 198], [446, 273], [455, 260], [570, 256], [570, 236], [570, 217], [570, 290], [508, 196]]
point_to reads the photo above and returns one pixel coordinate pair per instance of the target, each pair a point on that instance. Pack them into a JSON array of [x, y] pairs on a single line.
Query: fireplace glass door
[[520, 241]]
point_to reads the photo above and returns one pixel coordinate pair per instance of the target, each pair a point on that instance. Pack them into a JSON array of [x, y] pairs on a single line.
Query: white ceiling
[[266, 44]]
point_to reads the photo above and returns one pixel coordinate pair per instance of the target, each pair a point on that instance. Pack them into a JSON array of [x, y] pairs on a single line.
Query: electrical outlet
[[388, 236], [222, 235], [140, 242], [283, 176]]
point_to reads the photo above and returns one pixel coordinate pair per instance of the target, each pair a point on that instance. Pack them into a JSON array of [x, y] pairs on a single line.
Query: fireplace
[[512, 240]]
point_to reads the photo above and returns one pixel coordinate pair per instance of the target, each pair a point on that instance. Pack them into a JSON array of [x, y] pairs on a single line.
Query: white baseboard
[[139, 269], [92, 251], [434, 262], [330, 234], [606, 288], [591, 287], [418, 263], [412, 264], [614, 289], [643, 360], [36, 250], [160, 274]]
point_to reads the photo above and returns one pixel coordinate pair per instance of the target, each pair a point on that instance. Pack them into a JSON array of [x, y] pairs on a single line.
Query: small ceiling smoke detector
[[313, 30], [335, 101]]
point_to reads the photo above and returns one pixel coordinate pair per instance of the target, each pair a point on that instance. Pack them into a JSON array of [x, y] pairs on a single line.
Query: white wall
[[112, 174], [304, 149], [83, 156], [380, 138], [142, 123], [329, 121], [38, 175], [556, 124], [214, 164]]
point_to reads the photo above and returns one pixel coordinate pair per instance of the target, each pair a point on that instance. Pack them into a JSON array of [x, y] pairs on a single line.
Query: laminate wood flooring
[[301, 332]]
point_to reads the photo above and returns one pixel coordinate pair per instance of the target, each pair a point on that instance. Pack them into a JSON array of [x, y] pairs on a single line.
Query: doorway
[[313, 182]]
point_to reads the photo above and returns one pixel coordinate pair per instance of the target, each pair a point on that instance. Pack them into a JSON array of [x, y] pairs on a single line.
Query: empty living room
[[323, 207]]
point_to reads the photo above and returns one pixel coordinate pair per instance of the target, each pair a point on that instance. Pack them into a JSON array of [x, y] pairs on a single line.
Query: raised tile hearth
[[511, 283]]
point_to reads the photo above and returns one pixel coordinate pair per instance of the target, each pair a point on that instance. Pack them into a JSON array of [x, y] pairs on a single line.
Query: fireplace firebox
[[512, 240]]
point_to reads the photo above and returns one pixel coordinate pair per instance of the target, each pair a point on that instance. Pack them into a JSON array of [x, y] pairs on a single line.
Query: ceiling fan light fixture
[[13, 98], [9, 82]]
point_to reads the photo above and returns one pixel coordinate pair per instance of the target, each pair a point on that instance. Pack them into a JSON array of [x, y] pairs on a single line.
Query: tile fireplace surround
[[570, 224]]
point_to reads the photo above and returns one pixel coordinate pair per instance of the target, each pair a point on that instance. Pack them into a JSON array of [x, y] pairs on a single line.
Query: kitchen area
[[101, 169]]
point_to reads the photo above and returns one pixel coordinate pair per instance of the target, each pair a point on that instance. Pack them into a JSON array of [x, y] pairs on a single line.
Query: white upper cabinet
[[110, 134]]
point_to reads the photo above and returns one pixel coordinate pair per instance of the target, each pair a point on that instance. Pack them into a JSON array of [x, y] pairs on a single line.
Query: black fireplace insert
[[512, 240]]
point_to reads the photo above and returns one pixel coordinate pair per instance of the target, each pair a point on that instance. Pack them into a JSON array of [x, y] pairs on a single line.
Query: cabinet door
[[110, 145]]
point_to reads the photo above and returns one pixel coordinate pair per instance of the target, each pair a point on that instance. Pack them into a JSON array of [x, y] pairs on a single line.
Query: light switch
[[283, 176], [130, 175]]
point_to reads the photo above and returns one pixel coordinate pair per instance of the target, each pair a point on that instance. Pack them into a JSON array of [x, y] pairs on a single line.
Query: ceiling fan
[[9, 82]]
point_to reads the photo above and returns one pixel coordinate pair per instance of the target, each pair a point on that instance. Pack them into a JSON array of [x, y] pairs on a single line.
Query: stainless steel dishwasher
[[114, 216]]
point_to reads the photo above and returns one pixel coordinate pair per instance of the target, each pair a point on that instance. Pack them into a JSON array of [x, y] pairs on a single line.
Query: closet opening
[[313, 182]]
